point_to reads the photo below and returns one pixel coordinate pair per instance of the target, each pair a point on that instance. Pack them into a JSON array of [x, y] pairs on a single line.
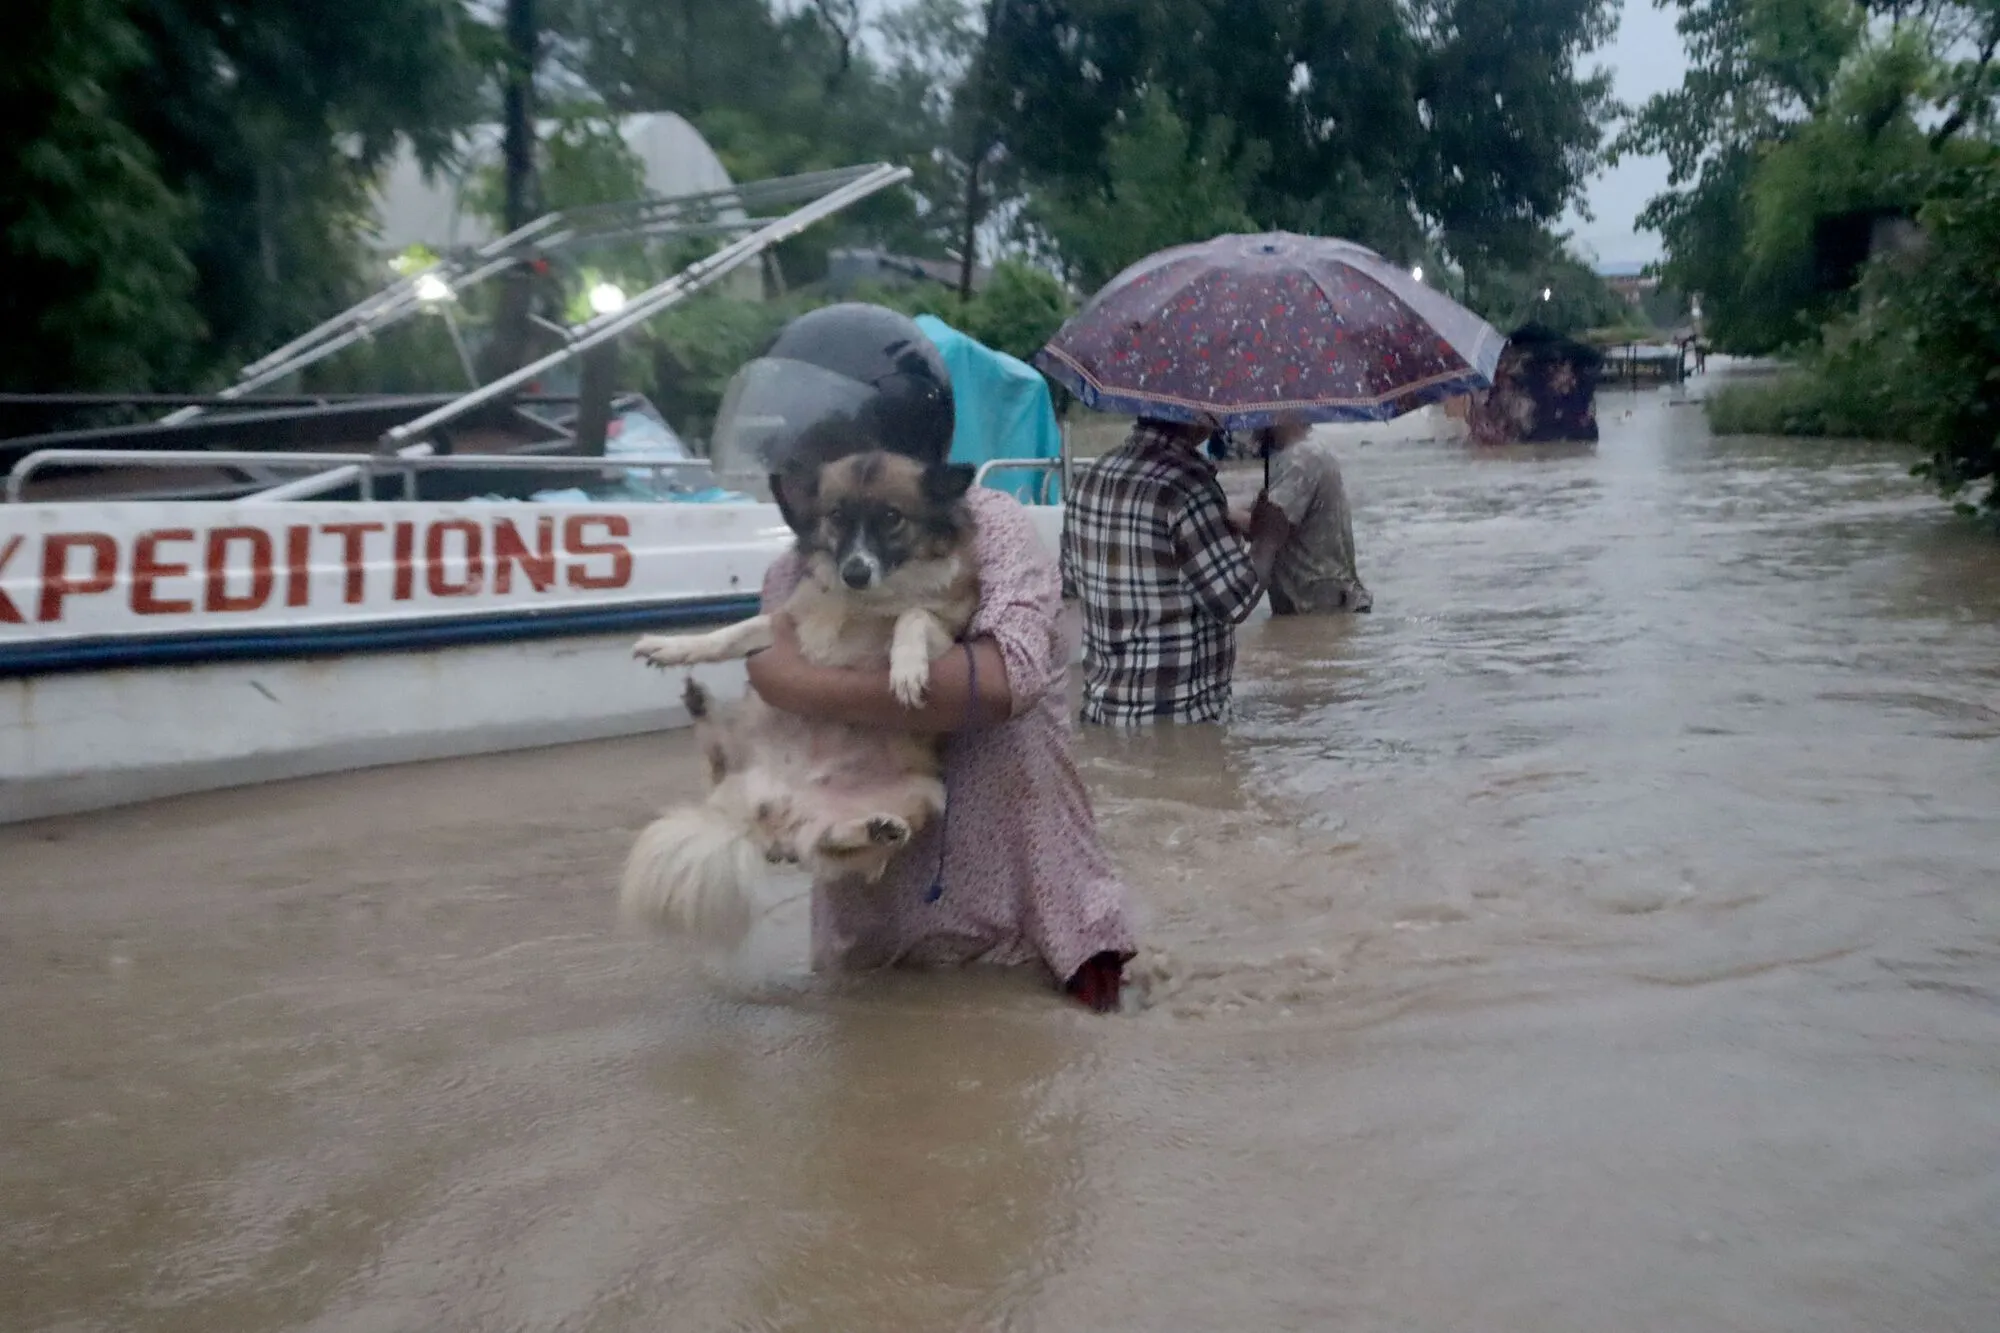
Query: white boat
[[155, 648], [277, 628]]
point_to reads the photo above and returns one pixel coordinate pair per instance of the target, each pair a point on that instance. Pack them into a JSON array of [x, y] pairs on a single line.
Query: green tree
[[1163, 187], [1757, 69], [1513, 127], [1453, 126], [272, 119], [1555, 289], [774, 91], [192, 175], [944, 48], [99, 291], [1915, 359], [1795, 111], [1020, 309]]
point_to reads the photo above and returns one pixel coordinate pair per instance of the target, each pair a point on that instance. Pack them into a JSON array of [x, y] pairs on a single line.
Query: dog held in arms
[[890, 581]]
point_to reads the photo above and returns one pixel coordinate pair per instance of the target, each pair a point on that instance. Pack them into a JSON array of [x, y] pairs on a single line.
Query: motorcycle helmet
[[835, 381]]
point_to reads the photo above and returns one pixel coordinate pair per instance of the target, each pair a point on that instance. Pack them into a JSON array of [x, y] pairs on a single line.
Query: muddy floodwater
[[1604, 935]]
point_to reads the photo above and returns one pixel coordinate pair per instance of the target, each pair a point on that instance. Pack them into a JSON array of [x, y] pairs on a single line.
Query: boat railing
[[367, 469], [732, 209], [1050, 468], [639, 309]]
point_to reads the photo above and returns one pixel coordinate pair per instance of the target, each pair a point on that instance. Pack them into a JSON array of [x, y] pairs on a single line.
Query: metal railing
[[368, 467], [657, 298], [363, 320], [319, 483], [364, 470], [1050, 468], [698, 213]]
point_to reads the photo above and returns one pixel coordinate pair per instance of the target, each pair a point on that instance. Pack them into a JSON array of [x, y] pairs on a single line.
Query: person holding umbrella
[[1163, 576], [1235, 333]]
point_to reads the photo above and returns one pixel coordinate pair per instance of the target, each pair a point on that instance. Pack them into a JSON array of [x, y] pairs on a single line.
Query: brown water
[[1604, 935]]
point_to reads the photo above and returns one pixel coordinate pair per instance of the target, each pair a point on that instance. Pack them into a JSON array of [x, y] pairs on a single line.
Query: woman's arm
[[784, 679]]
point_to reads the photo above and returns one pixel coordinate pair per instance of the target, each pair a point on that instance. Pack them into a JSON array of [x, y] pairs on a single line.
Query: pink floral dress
[[1024, 876]]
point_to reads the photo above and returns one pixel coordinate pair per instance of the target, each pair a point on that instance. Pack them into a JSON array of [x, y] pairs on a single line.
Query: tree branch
[[1963, 111], [842, 19]]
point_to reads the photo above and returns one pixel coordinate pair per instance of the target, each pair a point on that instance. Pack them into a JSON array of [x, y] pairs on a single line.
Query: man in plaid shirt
[[1164, 576]]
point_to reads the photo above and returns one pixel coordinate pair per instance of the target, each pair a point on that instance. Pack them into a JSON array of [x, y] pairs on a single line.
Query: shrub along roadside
[[1919, 360]]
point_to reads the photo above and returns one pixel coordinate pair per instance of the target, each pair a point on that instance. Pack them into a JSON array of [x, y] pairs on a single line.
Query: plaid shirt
[[1164, 581]]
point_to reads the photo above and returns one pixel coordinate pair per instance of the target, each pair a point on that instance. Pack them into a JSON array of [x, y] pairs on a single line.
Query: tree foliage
[[193, 176], [99, 291], [1798, 114], [1556, 290], [1793, 112], [1464, 125], [775, 90], [1161, 187]]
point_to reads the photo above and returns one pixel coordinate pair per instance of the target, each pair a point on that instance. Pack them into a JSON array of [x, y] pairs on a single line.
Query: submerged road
[[1602, 935]]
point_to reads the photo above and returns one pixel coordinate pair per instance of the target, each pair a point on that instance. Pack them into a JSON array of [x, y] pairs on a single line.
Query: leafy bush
[[1918, 361], [1931, 329], [1020, 309], [1807, 401], [694, 348]]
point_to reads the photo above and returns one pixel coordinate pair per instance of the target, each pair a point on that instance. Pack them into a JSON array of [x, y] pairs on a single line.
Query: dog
[[889, 580]]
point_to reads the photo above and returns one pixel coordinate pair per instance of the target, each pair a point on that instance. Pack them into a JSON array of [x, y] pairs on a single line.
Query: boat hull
[[406, 646]]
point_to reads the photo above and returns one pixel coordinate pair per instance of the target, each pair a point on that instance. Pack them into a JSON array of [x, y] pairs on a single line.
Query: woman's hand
[[785, 679], [776, 671]]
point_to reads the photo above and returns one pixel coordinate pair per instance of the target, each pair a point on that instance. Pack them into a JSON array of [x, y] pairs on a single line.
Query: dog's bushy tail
[[695, 871]]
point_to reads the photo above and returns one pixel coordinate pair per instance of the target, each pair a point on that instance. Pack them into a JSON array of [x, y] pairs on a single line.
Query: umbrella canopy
[[1253, 329]]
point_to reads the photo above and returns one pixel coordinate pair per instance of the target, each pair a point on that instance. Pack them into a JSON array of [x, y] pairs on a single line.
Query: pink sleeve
[[1020, 598], [780, 579]]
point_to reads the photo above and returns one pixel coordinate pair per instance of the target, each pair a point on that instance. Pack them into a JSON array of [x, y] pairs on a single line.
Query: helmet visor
[[778, 414]]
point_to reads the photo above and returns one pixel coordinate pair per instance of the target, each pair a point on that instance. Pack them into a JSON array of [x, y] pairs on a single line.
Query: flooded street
[[1602, 935]]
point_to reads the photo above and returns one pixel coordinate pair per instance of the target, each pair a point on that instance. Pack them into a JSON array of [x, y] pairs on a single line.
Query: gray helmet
[[835, 381]]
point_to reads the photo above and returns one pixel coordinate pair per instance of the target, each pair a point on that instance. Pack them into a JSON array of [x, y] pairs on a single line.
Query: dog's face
[[864, 519]]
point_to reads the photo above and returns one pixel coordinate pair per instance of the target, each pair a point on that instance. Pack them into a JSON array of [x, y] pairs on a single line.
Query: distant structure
[[1629, 280], [1844, 242]]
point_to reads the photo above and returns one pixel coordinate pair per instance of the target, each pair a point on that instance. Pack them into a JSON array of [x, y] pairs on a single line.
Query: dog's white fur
[[840, 800]]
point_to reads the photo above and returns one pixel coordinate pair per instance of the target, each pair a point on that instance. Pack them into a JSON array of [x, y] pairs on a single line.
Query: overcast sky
[[1645, 58]]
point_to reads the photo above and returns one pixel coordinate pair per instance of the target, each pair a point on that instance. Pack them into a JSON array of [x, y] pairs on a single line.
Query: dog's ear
[[947, 483], [796, 491]]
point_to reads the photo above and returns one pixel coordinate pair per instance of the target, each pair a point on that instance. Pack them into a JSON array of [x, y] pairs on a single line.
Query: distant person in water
[[1314, 571]]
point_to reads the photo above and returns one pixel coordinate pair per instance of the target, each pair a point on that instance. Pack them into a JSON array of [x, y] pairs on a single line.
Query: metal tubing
[[498, 246], [369, 465], [397, 301], [1050, 468], [655, 299], [307, 487]]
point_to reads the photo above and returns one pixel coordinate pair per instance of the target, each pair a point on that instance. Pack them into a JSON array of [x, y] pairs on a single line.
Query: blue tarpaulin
[[1002, 405]]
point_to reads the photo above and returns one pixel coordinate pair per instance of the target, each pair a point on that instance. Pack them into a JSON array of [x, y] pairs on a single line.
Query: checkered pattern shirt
[[1164, 581]]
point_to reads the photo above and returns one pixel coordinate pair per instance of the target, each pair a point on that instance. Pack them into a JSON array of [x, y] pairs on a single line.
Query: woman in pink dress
[[1014, 873]]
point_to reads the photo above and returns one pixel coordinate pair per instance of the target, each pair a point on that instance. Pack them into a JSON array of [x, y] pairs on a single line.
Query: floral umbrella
[[1253, 329]]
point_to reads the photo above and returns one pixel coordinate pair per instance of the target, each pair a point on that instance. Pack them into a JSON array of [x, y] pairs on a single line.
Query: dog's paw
[[888, 831], [910, 681], [857, 836], [665, 650]]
